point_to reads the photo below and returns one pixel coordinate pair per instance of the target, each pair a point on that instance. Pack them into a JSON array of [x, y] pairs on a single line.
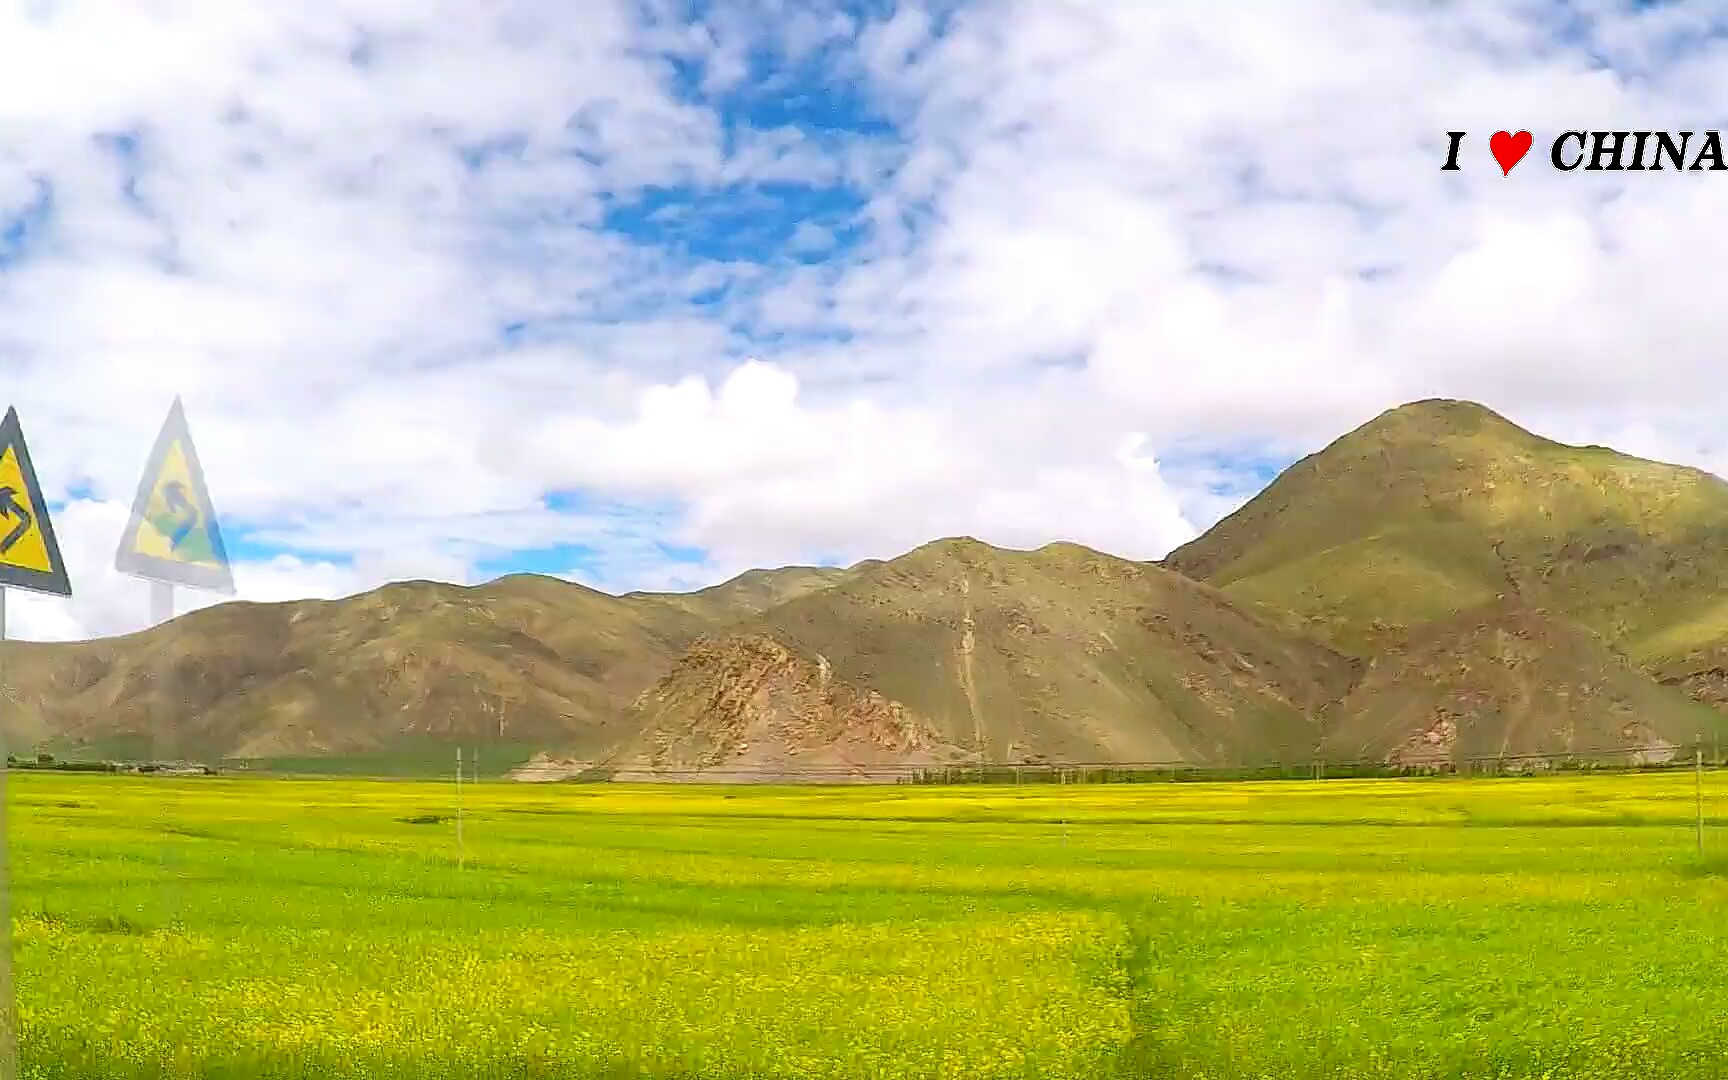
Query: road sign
[[29, 554], [172, 536]]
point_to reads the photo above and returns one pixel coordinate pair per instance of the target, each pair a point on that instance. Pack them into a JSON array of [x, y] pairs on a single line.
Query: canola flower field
[[1550, 927]]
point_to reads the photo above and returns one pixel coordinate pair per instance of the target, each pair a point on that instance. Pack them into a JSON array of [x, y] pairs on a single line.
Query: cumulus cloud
[[768, 477], [432, 281]]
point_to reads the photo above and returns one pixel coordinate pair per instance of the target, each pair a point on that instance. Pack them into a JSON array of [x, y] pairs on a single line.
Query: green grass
[[419, 759], [1553, 927]]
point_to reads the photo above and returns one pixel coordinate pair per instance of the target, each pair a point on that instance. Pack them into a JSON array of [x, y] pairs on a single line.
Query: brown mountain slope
[[522, 659], [1504, 680], [1063, 653], [749, 593], [746, 707], [1701, 674], [1438, 506], [1428, 514]]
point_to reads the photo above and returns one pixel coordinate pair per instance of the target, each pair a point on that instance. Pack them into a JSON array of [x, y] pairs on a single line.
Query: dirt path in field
[[1143, 1054]]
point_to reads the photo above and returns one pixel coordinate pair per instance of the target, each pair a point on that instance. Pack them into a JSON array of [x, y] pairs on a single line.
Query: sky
[[643, 294]]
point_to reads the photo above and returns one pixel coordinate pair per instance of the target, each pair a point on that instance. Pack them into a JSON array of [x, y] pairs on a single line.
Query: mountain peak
[[1435, 418], [963, 548], [1440, 505], [1439, 406]]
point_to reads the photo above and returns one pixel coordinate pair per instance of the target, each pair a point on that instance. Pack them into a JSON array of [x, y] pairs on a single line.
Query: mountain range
[[1437, 584]]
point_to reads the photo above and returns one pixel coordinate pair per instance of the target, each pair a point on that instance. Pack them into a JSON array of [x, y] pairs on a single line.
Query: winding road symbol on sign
[[9, 508], [173, 536], [185, 513]]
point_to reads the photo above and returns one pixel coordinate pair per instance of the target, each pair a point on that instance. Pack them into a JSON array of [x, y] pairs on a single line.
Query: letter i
[[1451, 165]]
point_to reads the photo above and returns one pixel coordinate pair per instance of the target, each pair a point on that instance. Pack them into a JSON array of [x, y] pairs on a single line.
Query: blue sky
[[651, 293]]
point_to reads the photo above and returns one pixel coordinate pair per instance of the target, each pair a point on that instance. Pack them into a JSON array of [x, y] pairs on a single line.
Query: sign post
[[29, 559], [172, 539]]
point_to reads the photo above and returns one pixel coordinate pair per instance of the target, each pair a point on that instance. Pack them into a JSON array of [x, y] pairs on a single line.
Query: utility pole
[[1698, 789], [461, 855]]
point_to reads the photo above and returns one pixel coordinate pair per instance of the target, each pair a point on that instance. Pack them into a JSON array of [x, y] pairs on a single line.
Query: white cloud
[[1284, 154], [1090, 168], [770, 479], [296, 247], [103, 601], [1107, 225]]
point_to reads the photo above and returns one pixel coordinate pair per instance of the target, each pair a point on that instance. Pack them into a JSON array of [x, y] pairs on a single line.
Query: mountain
[[957, 649], [751, 592], [1060, 654], [523, 659], [1423, 541], [1504, 680], [1439, 506], [1438, 583]]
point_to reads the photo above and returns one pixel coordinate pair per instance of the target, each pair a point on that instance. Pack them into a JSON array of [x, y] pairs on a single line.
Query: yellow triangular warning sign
[[172, 536], [29, 554]]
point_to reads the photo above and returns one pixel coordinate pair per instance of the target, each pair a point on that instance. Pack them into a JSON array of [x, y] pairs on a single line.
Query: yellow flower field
[[257, 928]]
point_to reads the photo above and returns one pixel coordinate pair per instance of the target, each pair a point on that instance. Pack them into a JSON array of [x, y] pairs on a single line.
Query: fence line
[[1607, 759], [1614, 761]]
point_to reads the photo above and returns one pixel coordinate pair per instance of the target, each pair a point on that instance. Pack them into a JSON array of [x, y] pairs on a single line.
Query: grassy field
[[274, 928], [424, 760]]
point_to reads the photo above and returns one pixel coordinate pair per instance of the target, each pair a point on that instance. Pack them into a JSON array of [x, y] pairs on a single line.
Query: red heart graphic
[[1509, 150]]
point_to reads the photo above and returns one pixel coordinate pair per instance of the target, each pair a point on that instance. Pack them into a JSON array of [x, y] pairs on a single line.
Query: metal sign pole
[[161, 602], [172, 539], [29, 559], [8, 994], [162, 610], [166, 750]]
